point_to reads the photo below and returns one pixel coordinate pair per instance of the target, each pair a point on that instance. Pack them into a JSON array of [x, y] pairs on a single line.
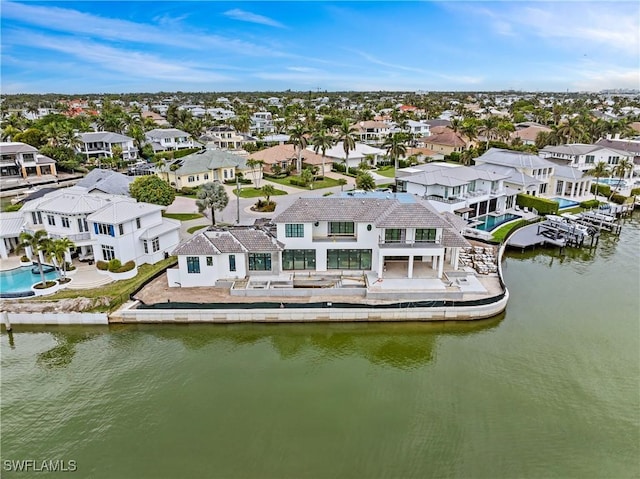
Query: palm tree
[[212, 196], [599, 170], [59, 253], [570, 131], [395, 148], [490, 125], [252, 163], [346, 134], [322, 141], [268, 191], [621, 169], [298, 137], [37, 242]]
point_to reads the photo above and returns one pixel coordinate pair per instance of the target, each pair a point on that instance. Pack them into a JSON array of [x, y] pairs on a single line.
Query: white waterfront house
[[100, 144], [466, 191], [19, 160], [585, 157], [359, 234], [532, 174], [169, 139], [103, 226]]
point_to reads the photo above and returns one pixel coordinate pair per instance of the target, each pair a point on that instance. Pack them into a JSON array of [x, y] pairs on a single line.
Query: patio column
[[410, 268], [440, 266], [434, 262], [3, 249], [380, 265], [564, 188]]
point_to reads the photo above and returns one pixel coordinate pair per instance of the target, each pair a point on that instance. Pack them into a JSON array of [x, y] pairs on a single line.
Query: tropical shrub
[[188, 191], [604, 190], [619, 199], [340, 167], [589, 204], [542, 205], [635, 192], [24, 258], [128, 266], [102, 265], [114, 265]]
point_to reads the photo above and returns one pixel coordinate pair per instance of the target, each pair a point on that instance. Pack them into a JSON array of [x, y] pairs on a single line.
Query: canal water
[[549, 389]]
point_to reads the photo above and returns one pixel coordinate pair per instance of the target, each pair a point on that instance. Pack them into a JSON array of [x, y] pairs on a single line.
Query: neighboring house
[[100, 144], [534, 175], [106, 181], [584, 157], [463, 190], [374, 132], [158, 119], [446, 141], [529, 133], [286, 156], [225, 137], [201, 167], [262, 122], [170, 139], [358, 234], [631, 148], [22, 160], [337, 155], [221, 254], [424, 154], [418, 129], [105, 226]]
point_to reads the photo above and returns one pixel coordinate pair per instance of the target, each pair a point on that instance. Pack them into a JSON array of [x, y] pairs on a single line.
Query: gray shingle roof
[[515, 159], [256, 240], [224, 242], [414, 215], [196, 245], [104, 136], [166, 133], [452, 239], [107, 181], [206, 160]]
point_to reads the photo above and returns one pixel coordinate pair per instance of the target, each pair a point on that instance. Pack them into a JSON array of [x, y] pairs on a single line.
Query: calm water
[[21, 279], [491, 222], [551, 389]]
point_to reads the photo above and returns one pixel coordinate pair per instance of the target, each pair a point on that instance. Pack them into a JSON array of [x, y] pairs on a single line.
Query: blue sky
[[100, 46]]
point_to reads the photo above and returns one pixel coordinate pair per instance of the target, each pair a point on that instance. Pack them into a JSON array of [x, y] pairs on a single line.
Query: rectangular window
[[209, 260], [82, 225], [65, 222], [345, 228], [36, 218], [108, 253], [193, 264], [225, 174], [394, 235], [138, 223], [427, 235], [145, 246], [589, 159], [259, 261], [232, 262], [155, 244], [191, 179], [349, 259], [206, 176], [121, 229], [102, 229], [299, 259], [294, 230], [51, 220]]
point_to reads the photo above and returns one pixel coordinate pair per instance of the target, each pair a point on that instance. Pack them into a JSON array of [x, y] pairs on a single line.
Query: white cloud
[[244, 16], [165, 34]]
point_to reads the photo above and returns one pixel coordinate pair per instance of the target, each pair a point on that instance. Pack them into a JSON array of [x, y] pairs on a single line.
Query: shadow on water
[[397, 345]]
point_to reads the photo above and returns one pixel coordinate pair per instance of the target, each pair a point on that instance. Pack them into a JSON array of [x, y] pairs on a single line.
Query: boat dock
[[555, 231]]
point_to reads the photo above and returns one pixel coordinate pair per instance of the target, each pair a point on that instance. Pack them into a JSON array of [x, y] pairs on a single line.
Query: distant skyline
[[118, 47]]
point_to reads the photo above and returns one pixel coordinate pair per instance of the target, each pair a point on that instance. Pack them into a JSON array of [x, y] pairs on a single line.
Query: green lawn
[[501, 233], [388, 172], [317, 185], [117, 291], [251, 192], [182, 216], [193, 229]]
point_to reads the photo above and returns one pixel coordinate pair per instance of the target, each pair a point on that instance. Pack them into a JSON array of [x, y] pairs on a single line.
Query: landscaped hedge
[[604, 190], [128, 266], [635, 192], [542, 205], [188, 191], [620, 199], [589, 204], [339, 167], [279, 176], [242, 181], [297, 181], [114, 265], [102, 265]]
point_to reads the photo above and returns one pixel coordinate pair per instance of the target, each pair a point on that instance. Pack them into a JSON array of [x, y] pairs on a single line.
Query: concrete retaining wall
[[56, 318], [463, 313]]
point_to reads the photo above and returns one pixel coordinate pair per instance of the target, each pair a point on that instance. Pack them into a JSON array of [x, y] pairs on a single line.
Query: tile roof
[[205, 160], [225, 242], [384, 213], [458, 223], [287, 152], [529, 133], [628, 146], [256, 240], [196, 245], [166, 133], [443, 135], [107, 181], [575, 149], [8, 147], [453, 239], [515, 159], [104, 136]]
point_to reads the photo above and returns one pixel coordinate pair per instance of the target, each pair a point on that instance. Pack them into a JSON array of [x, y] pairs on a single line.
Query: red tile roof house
[[446, 141], [287, 155]]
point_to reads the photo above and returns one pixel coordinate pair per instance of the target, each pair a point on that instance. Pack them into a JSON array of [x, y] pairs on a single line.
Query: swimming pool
[[20, 280], [565, 203], [491, 222], [616, 182]]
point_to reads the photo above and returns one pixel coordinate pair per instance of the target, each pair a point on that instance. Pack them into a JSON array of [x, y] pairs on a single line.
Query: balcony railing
[[335, 238], [409, 244], [74, 237], [443, 200]]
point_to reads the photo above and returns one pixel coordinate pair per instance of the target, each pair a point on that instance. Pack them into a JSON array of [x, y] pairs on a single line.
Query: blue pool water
[[613, 182], [564, 203], [491, 222], [21, 279]]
